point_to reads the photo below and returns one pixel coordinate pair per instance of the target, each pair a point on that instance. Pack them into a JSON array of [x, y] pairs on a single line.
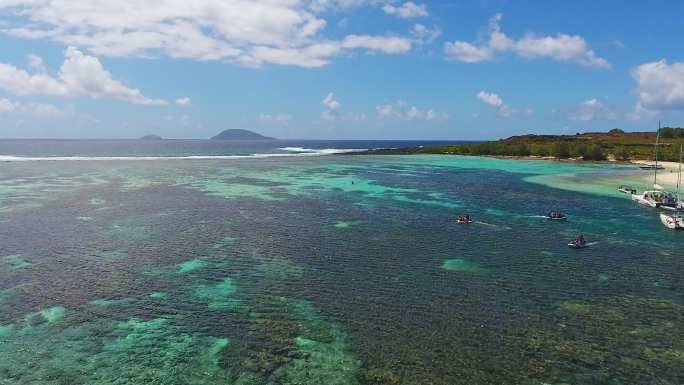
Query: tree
[[622, 153], [561, 150]]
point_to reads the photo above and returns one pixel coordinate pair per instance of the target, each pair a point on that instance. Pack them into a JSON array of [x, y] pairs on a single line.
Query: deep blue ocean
[[181, 147]]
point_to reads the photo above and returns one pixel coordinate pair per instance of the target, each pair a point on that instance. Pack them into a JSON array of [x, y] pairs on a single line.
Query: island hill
[[151, 137], [593, 146], [238, 134]]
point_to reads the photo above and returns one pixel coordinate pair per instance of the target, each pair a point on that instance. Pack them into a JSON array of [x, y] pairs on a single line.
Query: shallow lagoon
[[333, 270]]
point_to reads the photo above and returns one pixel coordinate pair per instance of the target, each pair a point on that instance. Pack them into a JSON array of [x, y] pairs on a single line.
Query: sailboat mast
[[679, 178], [679, 182], [655, 169]]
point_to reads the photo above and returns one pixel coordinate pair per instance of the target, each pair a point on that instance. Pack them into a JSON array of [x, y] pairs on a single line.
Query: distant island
[[151, 137], [591, 146], [238, 134]]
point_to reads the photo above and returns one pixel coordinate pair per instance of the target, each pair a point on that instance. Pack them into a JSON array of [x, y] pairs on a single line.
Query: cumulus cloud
[[80, 75], [332, 107], [404, 111], [246, 32], [592, 109], [562, 47], [183, 102], [407, 10], [494, 100], [660, 86]]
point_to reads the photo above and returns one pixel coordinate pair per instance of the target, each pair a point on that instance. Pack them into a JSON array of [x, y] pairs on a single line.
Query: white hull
[[672, 222], [643, 201]]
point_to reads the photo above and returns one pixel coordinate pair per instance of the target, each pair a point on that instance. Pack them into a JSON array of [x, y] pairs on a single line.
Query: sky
[[338, 69]]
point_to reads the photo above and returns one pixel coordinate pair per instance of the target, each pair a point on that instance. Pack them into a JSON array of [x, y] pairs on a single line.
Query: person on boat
[[467, 217], [580, 239]]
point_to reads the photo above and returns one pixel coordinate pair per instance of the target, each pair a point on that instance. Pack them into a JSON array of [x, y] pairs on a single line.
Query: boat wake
[[492, 225], [290, 152]]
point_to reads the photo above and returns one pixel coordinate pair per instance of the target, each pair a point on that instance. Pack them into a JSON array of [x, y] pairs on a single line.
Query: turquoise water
[[333, 270]]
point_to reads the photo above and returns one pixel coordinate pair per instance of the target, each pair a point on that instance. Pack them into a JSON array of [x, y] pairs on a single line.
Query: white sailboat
[[675, 221], [657, 197]]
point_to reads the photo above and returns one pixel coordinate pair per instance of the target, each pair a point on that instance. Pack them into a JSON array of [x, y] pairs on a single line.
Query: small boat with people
[[656, 198], [674, 221], [556, 216], [578, 243], [627, 189], [464, 219]]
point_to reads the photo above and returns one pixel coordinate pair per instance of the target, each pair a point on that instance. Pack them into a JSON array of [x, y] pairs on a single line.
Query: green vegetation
[[615, 144]]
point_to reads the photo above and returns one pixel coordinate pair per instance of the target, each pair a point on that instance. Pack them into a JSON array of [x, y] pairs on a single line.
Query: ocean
[[200, 262]]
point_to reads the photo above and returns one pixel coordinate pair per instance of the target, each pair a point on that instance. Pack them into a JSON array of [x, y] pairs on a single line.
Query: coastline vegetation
[[593, 146]]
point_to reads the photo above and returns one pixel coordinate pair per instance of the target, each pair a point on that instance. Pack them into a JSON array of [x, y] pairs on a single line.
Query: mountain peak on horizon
[[239, 134]]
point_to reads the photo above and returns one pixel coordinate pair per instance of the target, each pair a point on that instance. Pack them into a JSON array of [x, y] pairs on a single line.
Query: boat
[[627, 189], [556, 216], [651, 167], [675, 221], [464, 219], [578, 243], [657, 197]]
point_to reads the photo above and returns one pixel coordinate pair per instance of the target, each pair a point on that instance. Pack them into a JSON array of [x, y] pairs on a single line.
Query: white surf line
[[13, 158]]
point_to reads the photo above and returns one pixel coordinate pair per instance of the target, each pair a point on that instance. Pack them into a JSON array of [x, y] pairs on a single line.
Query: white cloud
[[592, 109], [36, 62], [275, 118], [404, 111], [332, 107], [660, 86], [562, 47], [246, 32], [388, 45], [7, 105], [407, 10], [183, 101], [424, 34], [80, 75], [32, 110], [495, 101]]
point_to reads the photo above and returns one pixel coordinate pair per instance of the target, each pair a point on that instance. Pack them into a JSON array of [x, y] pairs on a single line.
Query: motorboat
[[578, 243], [673, 222], [627, 189], [556, 216], [656, 198], [464, 220]]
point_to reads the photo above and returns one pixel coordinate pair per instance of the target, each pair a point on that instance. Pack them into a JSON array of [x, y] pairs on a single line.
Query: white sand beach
[[666, 177]]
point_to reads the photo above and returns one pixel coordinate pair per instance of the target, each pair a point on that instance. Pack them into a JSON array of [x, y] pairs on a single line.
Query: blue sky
[[338, 69]]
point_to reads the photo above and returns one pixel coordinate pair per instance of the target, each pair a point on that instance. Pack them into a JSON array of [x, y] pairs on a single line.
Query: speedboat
[[578, 243], [627, 189], [575, 244], [674, 222], [556, 216], [464, 220], [656, 198]]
